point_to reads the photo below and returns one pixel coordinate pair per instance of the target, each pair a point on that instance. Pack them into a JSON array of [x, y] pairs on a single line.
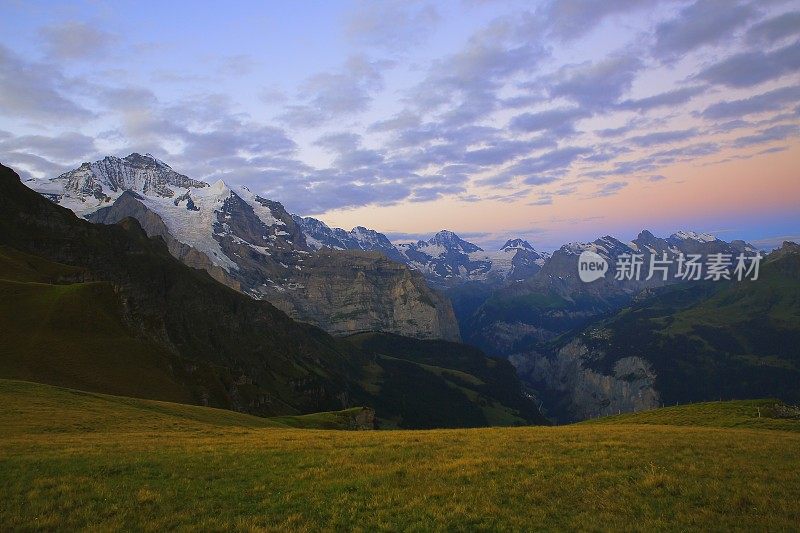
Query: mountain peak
[[517, 244], [219, 187], [450, 240]]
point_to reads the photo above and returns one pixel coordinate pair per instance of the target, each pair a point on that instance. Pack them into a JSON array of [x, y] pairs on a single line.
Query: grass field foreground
[[76, 460]]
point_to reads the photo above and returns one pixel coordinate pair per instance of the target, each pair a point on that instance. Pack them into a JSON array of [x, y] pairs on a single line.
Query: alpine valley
[[393, 313]]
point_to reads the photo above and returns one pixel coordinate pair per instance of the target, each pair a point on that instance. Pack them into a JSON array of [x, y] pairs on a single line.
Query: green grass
[[750, 414], [75, 335], [72, 460]]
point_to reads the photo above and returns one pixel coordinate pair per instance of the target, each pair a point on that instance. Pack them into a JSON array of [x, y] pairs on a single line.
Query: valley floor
[[71, 460]]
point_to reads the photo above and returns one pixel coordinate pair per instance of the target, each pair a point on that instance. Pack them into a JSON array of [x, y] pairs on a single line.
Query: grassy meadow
[[70, 459]]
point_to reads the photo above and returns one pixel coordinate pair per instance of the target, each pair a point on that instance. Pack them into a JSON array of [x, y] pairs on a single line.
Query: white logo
[[591, 266]]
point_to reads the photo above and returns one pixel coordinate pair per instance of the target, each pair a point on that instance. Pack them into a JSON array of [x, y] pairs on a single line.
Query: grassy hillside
[[37, 409], [73, 334], [431, 383], [71, 460], [751, 414]]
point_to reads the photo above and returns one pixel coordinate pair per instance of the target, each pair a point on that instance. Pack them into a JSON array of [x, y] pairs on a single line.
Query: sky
[[551, 120]]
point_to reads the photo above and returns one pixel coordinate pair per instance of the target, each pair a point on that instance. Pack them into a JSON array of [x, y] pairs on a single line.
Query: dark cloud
[[670, 98], [761, 103], [663, 137], [753, 67], [35, 91], [701, 23], [75, 40], [775, 29]]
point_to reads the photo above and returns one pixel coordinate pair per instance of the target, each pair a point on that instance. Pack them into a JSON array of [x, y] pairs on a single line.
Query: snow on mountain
[[95, 185], [319, 235], [447, 259], [686, 235]]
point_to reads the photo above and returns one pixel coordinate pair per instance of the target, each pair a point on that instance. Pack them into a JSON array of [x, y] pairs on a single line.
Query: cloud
[[775, 29], [505, 150], [468, 79], [339, 142], [236, 65], [663, 137], [691, 151], [67, 147], [595, 85], [26, 164], [753, 67], [571, 19], [392, 25], [36, 92], [401, 121], [75, 40], [544, 199], [670, 98], [702, 23], [329, 95], [760, 103], [775, 133], [560, 122], [539, 170], [614, 132], [609, 189]]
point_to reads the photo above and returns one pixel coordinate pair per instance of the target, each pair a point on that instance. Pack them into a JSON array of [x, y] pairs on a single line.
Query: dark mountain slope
[[418, 377], [105, 308], [685, 343], [275, 365]]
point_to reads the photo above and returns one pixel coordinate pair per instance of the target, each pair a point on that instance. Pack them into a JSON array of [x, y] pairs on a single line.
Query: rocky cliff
[[350, 292]]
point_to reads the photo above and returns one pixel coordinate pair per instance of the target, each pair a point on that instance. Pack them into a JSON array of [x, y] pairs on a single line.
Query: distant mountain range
[[583, 349]]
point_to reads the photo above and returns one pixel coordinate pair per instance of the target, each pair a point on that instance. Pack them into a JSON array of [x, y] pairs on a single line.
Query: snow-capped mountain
[[319, 235], [254, 245], [448, 259], [95, 185], [445, 259]]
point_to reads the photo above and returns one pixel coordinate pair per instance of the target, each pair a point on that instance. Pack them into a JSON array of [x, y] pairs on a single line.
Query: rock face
[[254, 245], [350, 292], [578, 392]]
